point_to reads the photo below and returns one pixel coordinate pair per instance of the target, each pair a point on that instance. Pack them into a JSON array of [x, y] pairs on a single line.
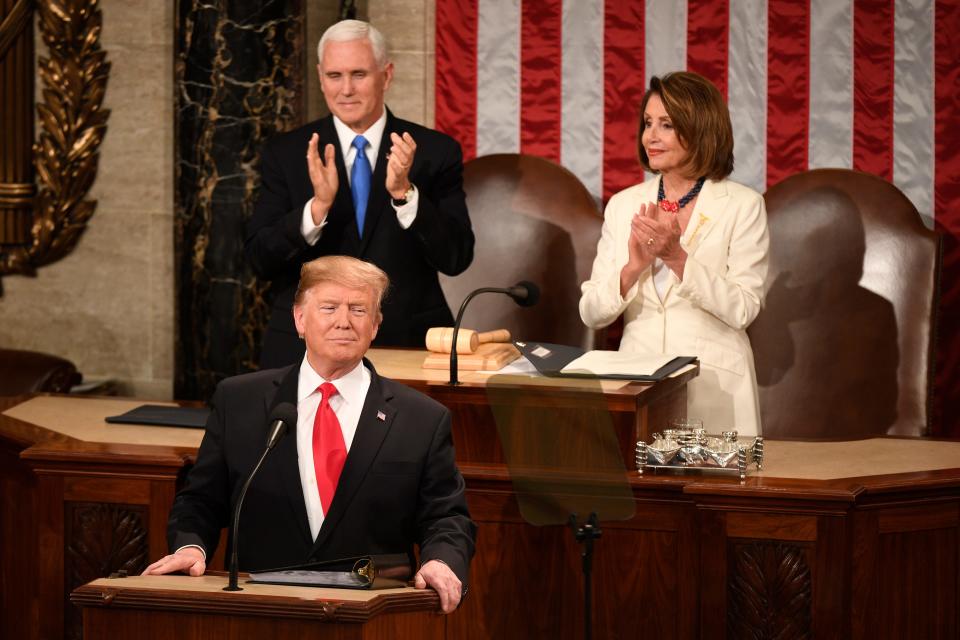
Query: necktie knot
[[327, 390], [360, 143]]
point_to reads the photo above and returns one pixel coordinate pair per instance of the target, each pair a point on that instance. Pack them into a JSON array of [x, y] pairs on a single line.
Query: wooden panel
[[688, 567], [185, 607], [831, 575], [477, 437], [114, 489], [643, 579], [918, 594], [474, 433], [919, 518], [527, 582], [18, 546], [106, 624], [864, 589], [711, 526], [771, 526]]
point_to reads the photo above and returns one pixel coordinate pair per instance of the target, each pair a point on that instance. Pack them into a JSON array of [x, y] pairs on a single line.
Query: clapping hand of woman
[[639, 249], [660, 232]]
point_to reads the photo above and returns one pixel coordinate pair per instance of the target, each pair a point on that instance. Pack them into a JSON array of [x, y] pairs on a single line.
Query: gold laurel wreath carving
[[73, 125]]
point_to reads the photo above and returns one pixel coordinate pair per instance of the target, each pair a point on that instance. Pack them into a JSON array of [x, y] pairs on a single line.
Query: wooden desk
[[636, 409], [831, 540], [163, 607]]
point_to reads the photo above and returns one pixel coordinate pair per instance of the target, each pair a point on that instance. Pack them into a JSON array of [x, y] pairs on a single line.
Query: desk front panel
[[830, 556]]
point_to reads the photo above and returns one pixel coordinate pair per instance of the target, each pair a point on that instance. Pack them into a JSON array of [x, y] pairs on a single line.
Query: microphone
[[524, 293], [282, 419]]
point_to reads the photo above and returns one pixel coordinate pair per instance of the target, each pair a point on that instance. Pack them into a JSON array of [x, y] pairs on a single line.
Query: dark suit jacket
[[439, 240], [399, 485]]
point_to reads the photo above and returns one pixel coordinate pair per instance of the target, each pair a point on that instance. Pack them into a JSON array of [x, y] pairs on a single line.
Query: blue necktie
[[360, 182]]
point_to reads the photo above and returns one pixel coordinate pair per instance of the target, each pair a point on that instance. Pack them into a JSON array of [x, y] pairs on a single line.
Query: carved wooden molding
[[769, 592], [73, 125], [101, 538]]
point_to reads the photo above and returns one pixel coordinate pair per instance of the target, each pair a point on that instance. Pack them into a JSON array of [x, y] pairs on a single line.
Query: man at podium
[[370, 469]]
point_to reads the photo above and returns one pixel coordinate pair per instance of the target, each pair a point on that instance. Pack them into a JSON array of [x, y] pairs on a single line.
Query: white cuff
[[193, 546], [407, 212], [310, 231]]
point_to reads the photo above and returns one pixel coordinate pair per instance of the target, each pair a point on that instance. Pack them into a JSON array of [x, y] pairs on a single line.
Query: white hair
[[347, 30]]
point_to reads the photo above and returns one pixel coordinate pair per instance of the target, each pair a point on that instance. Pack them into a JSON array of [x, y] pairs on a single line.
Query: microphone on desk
[[524, 293], [283, 418]]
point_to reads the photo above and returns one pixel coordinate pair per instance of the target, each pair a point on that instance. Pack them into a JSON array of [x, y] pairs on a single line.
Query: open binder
[[386, 571], [551, 360]]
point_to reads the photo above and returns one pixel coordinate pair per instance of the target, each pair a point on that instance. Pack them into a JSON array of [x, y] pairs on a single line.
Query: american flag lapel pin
[[381, 416]]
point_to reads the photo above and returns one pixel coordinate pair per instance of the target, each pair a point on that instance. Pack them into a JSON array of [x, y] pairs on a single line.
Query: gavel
[[440, 339]]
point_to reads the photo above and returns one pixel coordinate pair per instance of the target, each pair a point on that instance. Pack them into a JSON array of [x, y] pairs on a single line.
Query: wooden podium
[[161, 607]]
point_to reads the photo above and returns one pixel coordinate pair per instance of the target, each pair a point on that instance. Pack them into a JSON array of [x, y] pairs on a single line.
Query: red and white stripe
[[872, 85], [810, 83]]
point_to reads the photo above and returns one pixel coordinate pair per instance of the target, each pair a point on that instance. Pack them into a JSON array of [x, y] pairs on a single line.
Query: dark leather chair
[[844, 343], [32, 372], [533, 220]]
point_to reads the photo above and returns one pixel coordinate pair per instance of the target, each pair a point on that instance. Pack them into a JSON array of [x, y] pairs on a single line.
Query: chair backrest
[[32, 372], [533, 220], [844, 343]]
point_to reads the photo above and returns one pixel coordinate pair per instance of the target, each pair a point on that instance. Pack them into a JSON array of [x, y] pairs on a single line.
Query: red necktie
[[329, 450]]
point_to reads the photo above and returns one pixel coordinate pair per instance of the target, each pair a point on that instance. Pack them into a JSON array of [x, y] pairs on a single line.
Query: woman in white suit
[[683, 256]]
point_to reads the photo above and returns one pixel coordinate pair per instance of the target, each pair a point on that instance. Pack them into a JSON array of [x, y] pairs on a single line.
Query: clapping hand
[[399, 161], [660, 233], [323, 177], [639, 248]]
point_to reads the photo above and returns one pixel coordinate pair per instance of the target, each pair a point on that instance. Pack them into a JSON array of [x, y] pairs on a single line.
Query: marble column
[[239, 69]]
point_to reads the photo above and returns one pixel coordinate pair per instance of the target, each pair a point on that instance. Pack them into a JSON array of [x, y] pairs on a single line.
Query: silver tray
[[696, 451]]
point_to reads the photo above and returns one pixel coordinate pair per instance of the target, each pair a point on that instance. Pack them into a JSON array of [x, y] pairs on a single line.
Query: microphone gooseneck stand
[[456, 330], [281, 417], [585, 535], [524, 293], [234, 557]]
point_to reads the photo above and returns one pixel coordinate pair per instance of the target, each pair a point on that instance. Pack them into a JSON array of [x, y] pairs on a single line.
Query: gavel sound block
[[440, 339], [488, 351]]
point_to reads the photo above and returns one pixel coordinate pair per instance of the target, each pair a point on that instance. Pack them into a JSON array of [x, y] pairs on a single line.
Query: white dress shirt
[[347, 405], [406, 213]]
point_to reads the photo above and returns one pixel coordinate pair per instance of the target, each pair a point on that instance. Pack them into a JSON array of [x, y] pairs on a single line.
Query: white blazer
[[707, 313]]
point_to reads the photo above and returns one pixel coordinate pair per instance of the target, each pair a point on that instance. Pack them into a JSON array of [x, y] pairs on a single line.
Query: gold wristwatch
[[399, 202]]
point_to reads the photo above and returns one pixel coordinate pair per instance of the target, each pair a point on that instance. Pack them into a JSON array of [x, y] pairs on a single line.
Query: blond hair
[[345, 271]]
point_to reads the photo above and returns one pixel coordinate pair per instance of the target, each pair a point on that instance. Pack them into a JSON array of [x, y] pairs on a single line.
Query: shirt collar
[[374, 134], [350, 386]]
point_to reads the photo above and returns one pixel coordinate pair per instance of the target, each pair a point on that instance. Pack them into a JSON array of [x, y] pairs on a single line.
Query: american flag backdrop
[[872, 85]]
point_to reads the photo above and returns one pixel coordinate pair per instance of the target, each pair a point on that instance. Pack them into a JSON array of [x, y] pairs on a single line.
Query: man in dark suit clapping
[[363, 183], [370, 469]]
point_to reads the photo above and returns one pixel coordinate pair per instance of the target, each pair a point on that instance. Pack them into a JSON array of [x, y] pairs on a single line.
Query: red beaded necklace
[[674, 206]]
